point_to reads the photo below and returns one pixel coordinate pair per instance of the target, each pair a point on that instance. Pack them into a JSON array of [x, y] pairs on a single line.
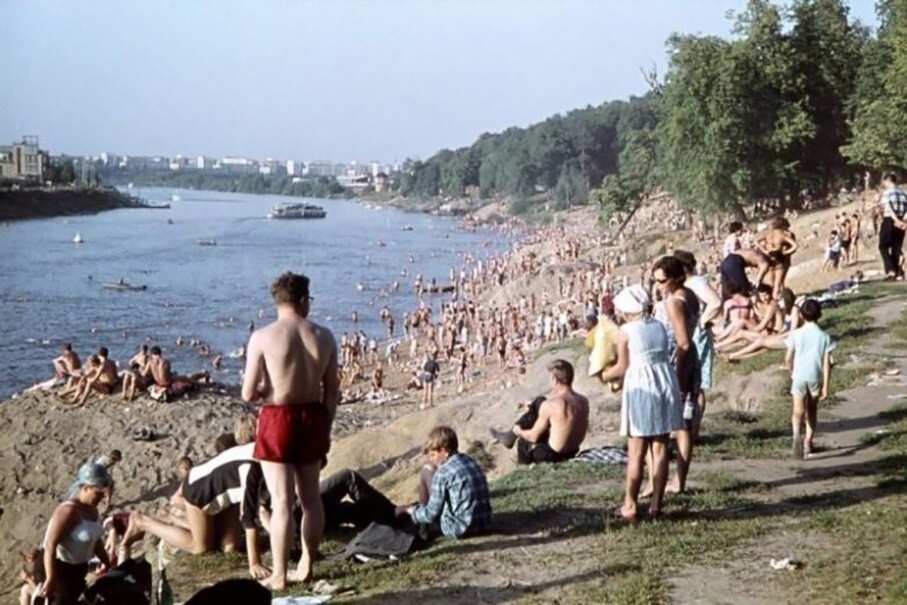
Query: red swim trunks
[[292, 434]]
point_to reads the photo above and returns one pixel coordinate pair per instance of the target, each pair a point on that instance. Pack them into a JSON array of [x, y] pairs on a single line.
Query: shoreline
[[30, 204]]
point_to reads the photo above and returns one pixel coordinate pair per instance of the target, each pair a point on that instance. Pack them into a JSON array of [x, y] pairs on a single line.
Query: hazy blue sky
[[331, 79]]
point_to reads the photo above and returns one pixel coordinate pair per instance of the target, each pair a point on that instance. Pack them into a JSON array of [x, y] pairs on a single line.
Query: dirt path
[[844, 472]]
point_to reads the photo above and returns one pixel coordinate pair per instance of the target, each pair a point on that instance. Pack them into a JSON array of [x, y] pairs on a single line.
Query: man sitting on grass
[[459, 491], [552, 429]]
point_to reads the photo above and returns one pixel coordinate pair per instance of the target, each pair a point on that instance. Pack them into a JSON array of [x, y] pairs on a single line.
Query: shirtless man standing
[[553, 429], [291, 367]]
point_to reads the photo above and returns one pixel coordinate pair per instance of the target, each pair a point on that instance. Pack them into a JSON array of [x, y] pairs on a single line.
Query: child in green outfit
[[809, 361]]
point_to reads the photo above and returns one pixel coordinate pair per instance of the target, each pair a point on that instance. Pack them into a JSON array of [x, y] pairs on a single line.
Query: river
[[51, 289]]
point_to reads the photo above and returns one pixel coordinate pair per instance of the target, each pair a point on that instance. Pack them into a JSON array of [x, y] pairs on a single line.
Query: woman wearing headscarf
[[74, 535], [651, 406]]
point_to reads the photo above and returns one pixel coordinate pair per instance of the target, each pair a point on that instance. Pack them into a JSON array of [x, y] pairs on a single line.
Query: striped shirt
[[894, 203], [231, 477], [459, 496]]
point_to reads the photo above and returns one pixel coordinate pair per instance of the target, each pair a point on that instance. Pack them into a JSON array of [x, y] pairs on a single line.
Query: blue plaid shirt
[[894, 203], [459, 495]]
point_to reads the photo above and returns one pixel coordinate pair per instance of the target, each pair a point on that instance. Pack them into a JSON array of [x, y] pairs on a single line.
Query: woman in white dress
[[651, 405]]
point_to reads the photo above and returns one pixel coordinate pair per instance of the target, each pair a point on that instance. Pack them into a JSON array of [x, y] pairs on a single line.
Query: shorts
[[427, 378], [292, 434], [805, 388]]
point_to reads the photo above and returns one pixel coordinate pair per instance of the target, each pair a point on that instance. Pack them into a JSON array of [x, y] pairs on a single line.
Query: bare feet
[[300, 575], [274, 583], [673, 487], [647, 492]]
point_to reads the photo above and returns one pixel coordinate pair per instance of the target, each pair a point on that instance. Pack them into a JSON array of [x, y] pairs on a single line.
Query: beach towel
[[603, 455], [603, 342]]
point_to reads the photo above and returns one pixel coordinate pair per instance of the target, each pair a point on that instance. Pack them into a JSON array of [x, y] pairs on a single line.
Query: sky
[[342, 80]]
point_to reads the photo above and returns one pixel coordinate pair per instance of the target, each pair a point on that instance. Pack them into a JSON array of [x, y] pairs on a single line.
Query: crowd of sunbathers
[[670, 318], [148, 371]]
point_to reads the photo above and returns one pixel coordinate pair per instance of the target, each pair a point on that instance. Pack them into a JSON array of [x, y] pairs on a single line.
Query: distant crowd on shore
[[654, 336]]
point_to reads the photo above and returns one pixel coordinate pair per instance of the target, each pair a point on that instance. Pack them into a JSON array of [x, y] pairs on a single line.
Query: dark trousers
[[365, 504], [528, 453], [70, 582], [891, 241]]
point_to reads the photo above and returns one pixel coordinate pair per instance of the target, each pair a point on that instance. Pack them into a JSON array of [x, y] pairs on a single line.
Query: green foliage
[[561, 155], [881, 105]]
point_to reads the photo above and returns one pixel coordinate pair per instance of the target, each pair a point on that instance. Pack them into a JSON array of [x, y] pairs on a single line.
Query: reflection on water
[[52, 290]]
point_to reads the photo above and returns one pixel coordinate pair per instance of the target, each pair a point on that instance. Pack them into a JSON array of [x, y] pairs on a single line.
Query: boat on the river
[[207, 242], [123, 285], [78, 238], [297, 211]]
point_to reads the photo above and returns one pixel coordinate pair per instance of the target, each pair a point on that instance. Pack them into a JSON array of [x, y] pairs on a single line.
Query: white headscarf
[[632, 300]]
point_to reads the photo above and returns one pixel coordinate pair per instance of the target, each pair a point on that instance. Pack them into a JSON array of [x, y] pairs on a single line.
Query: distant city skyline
[[337, 80]]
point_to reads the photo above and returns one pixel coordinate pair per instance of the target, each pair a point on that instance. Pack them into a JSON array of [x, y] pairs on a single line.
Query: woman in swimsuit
[[776, 340], [74, 536], [767, 319], [779, 244]]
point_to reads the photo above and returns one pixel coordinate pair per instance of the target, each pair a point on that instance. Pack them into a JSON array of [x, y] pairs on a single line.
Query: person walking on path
[[809, 361], [291, 367], [893, 210]]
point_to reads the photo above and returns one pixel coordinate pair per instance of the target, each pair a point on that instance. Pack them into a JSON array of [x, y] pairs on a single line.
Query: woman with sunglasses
[[678, 311]]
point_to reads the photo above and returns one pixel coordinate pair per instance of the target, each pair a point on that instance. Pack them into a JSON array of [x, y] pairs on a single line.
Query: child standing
[[832, 251], [809, 361]]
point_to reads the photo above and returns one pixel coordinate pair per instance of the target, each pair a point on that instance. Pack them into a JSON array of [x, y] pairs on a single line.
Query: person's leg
[[897, 246], [684, 458], [796, 422], [227, 529], [659, 472], [280, 480], [371, 503], [306, 476], [636, 460], [199, 538], [426, 475], [812, 413], [886, 239]]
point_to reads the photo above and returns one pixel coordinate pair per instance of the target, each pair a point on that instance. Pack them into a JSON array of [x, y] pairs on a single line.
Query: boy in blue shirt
[[809, 361]]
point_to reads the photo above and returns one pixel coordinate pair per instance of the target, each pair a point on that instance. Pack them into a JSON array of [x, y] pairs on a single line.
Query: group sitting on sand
[[657, 334], [149, 371]]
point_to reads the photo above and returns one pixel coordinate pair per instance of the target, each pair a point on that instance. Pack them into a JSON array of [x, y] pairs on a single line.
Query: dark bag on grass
[[126, 584], [378, 540]]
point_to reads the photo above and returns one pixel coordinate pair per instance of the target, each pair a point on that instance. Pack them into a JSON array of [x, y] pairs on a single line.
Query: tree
[[880, 120]]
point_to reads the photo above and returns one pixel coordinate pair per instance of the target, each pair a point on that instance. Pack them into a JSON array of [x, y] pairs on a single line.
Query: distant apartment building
[[272, 167], [179, 163], [295, 167], [237, 165], [140, 162], [203, 162], [23, 160]]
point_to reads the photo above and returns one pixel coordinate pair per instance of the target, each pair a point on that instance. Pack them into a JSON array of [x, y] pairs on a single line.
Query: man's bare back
[[292, 357], [568, 415]]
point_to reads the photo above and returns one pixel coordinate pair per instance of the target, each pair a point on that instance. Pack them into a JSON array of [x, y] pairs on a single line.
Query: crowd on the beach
[[654, 335]]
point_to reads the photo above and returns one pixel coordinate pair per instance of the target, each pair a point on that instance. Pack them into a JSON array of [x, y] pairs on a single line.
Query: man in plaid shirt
[[459, 490], [893, 208]]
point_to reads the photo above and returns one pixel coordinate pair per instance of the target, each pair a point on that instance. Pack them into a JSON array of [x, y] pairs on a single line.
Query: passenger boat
[[297, 211], [207, 242]]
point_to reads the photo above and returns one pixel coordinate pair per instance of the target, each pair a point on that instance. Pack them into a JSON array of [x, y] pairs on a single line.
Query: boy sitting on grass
[[808, 358]]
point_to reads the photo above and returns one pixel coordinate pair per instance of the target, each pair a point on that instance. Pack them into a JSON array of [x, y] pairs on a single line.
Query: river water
[[51, 288]]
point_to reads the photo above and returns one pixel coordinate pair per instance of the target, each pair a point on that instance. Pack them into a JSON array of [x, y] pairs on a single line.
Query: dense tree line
[[237, 183], [562, 155], [800, 100]]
